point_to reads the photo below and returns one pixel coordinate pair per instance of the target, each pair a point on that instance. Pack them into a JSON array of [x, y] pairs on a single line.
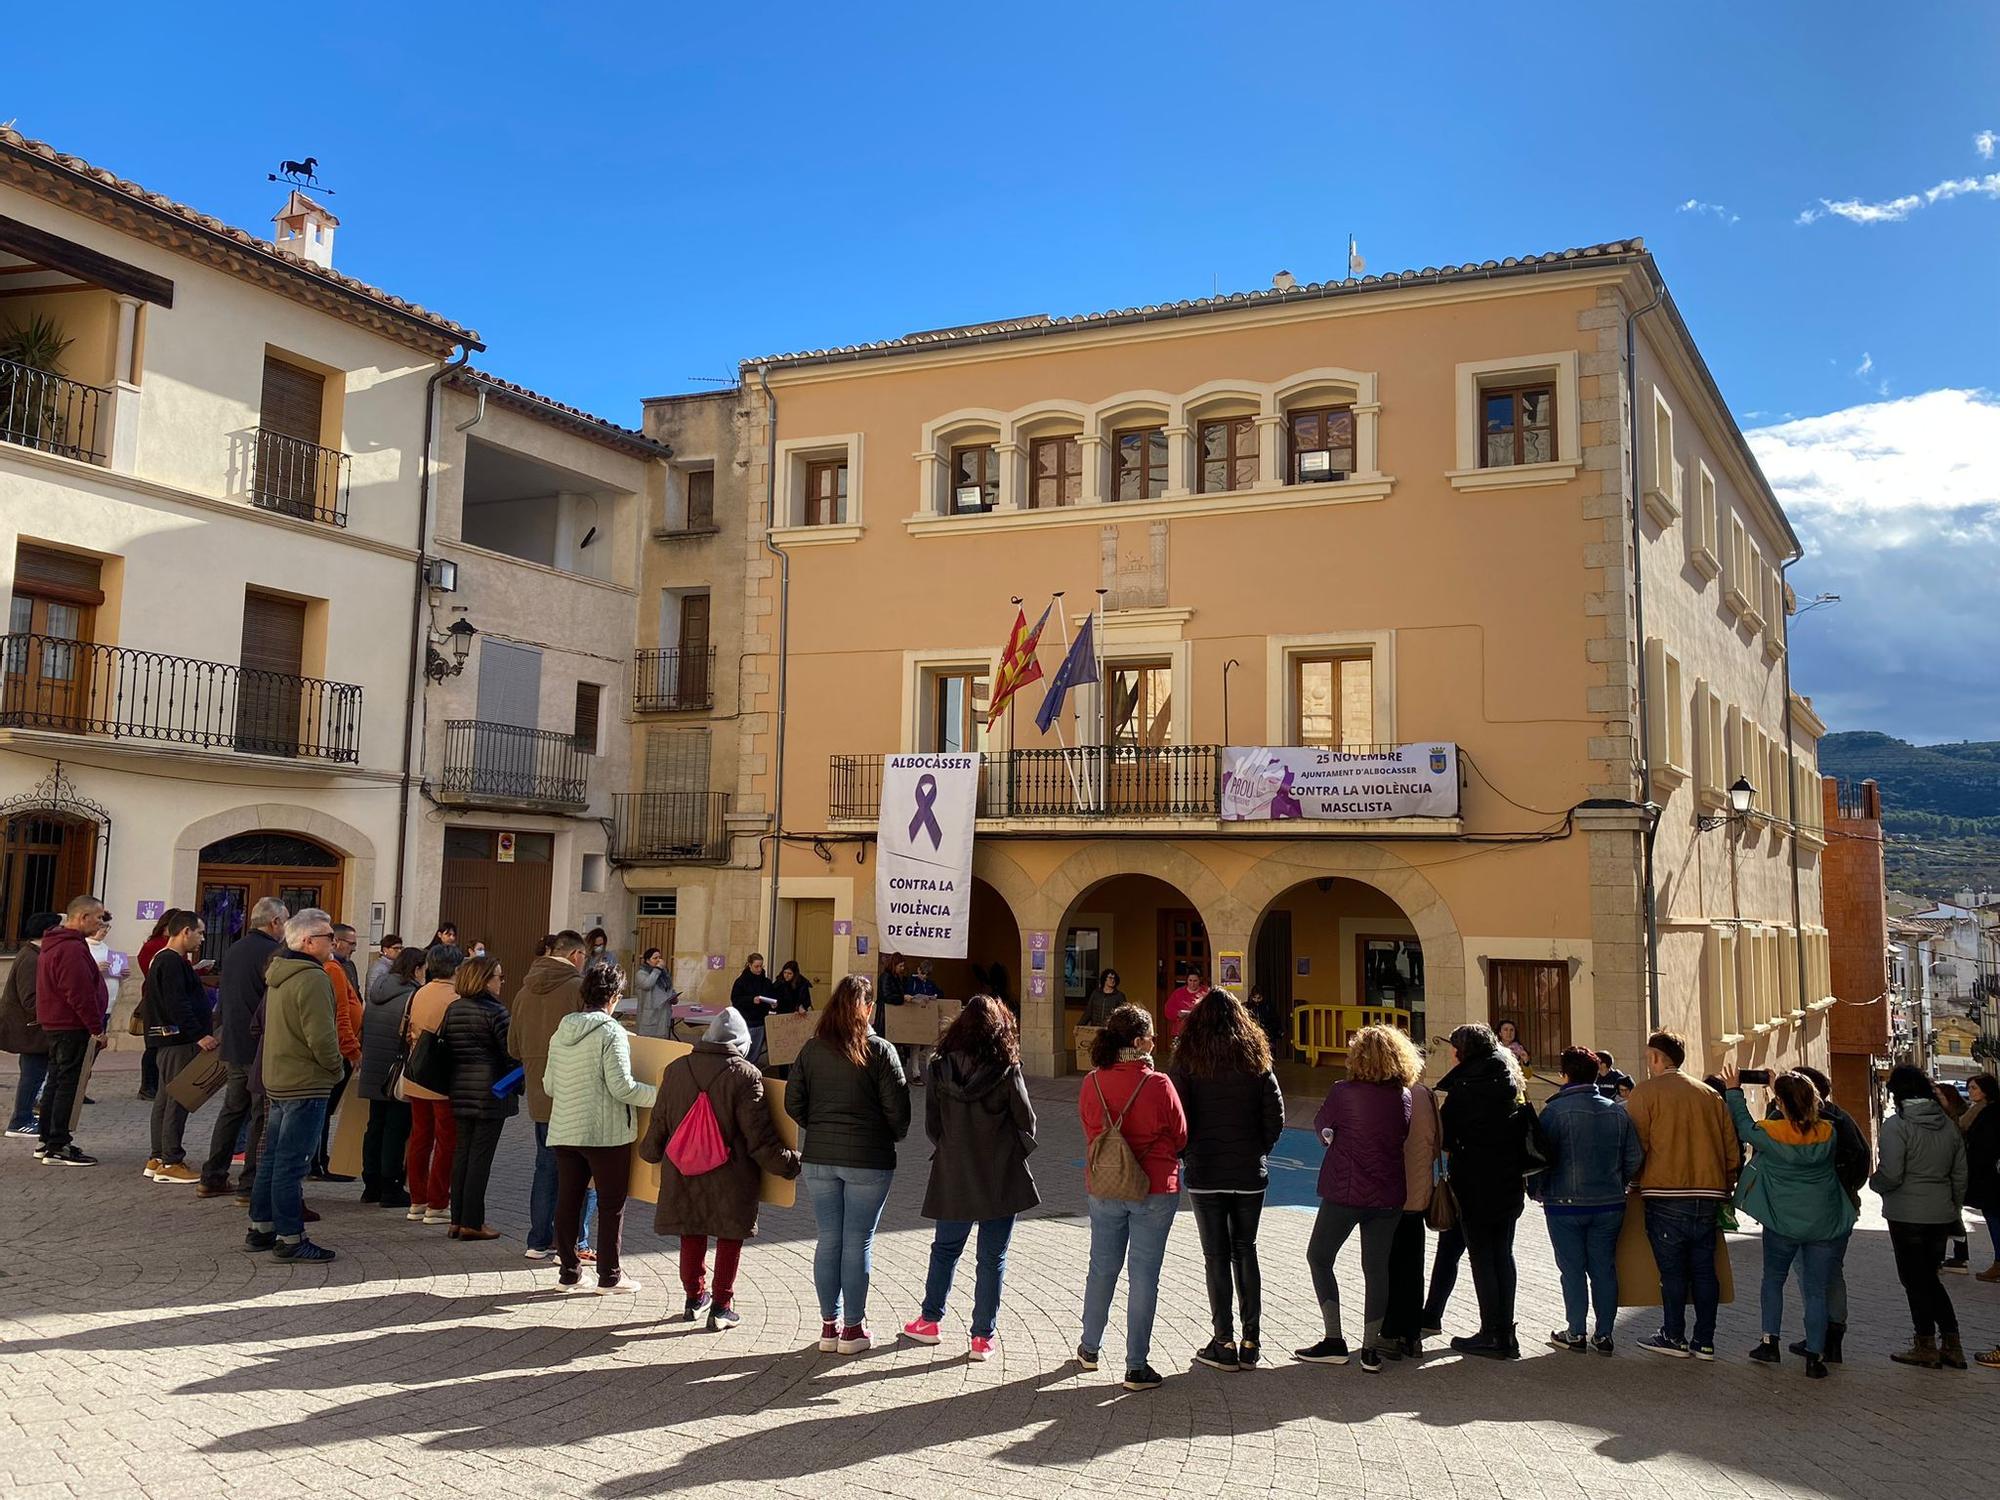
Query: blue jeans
[[1586, 1247], [847, 1204], [1817, 1261], [1134, 1234], [542, 1199], [278, 1198], [947, 1244], [28, 1092], [1682, 1232]]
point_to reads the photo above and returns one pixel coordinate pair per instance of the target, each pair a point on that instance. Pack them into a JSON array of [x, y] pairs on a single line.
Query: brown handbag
[[1442, 1214]]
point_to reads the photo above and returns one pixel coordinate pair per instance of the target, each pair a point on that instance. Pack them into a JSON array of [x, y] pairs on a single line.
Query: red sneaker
[[921, 1330]]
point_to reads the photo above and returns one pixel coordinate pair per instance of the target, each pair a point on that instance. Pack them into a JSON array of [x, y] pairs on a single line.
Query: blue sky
[[624, 199]]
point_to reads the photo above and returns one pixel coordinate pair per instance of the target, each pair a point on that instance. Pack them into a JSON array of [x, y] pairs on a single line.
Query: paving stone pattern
[[144, 1354]]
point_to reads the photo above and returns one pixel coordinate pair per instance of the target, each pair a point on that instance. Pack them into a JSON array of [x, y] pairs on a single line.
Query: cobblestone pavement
[[144, 1354]]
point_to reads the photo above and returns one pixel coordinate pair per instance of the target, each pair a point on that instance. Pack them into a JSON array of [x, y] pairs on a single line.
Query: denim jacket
[[1593, 1150]]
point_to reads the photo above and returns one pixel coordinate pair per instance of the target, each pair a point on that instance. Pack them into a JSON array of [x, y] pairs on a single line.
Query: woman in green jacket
[[593, 1120], [1791, 1189]]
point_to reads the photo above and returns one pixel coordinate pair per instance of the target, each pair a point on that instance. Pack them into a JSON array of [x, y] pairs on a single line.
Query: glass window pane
[[1340, 429], [1214, 477], [1499, 413], [1314, 709], [1072, 489], [21, 615], [1305, 430], [1538, 446], [1246, 437], [1045, 459], [1537, 407], [63, 620], [1357, 701], [1246, 473], [1214, 440], [1499, 450]]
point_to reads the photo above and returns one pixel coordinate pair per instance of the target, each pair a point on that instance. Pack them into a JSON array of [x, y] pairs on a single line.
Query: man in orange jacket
[[347, 1022]]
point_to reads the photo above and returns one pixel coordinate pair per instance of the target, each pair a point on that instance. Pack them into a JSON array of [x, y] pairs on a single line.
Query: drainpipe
[[784, 618], [417, 630], [1639, 629], [1792, 801]]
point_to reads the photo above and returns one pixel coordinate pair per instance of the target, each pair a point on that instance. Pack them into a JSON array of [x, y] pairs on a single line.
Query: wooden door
[[46, 860], [812, 944], [1144, 774], [237, 873], [691, 686], [48, 682], [1183, 945], [267, 684], [503, 905], [288, 438], [1534, 995], [657, 932]]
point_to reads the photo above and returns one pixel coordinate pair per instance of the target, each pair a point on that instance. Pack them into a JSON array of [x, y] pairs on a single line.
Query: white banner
[[923, 854], [1281, 782]]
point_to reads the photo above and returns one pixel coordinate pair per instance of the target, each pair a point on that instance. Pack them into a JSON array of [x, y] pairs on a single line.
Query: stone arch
[[356, 849]]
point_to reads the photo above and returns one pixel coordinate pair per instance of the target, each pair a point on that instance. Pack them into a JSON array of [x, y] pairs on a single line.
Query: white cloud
[[1898, 504], [1895, 210], [1867, 368], [1957, 187], [1720, 211], [1890, 211], [1983, 143]]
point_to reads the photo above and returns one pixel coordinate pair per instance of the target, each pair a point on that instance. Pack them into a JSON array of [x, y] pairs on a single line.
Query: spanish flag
[[1018, 666]]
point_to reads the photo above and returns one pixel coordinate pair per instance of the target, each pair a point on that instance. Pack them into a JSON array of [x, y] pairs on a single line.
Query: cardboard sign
[[780, 1192], [1639, 1273], [919, 1023], [82, 1086], [784, 1035], [650, 1059], [350, 1122], [200, 1081], [1085, 1036]]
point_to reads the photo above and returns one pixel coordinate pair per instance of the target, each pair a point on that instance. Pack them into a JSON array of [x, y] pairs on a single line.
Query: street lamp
[[457, 637], [1741, 795]]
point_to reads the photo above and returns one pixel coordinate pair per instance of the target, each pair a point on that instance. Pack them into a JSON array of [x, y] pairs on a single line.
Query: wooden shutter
[[588, 695], [510, 684], [676, 760], [267, 691], [274, 634], [1535, 996], [57, 575], [700, 499], [293, 399]]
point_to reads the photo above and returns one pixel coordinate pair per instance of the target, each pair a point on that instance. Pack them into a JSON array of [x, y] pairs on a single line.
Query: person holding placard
[[719, 1202], [848, 1092], [982, 1124], [178, 1026]]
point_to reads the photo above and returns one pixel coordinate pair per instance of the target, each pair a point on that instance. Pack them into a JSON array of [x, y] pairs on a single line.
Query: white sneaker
[[624, 1283], [537, 1254], [437, 1216], [857, 1345], [417, 1213], [26, 1133]]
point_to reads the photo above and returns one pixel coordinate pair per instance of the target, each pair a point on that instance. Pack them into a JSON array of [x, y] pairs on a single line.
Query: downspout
[[1652, 908], [418, 633], [1792, 800], [784, 619]]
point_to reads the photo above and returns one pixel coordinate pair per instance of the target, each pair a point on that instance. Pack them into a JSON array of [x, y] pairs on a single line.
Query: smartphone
[[1754, 1075]]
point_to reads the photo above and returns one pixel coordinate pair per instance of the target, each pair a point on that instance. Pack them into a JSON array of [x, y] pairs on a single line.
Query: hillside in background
[[1940, 807]]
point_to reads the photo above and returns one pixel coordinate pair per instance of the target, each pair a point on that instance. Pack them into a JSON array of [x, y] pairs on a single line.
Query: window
[[588, 696], [46, 857], [1333, 701], [664, 904], [292, 475], [975, 478], [1702, 545], [1737, 559], [1534, 995], [1732, 746], [1228, 451], [1773, 610], [1322, 444], [594, 866], [1666, 725], [957, 713], [268, 689], [1141, 707], [1139, 463], [1055, 470], [1708, 752], [1725, 1023], [1663, 477], [47, 682], [826, 492], [1517, 426], [700, 499]]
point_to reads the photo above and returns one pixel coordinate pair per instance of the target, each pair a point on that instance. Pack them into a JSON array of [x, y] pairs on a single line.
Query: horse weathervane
[[304, 174]]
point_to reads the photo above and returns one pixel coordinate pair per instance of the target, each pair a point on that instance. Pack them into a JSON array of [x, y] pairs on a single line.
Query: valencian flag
[[1018, 666], [1077, 668]]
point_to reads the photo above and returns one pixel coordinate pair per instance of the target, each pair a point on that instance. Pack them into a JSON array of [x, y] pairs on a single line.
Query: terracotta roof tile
[[1017, 328], [572, 417], [13, 141]]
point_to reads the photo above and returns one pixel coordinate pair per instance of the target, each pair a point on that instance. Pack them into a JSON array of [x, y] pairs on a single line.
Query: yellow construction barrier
[[1322, 1032]]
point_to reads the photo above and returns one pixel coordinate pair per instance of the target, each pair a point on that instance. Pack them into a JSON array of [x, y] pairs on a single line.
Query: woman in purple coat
[[1364, 1122]]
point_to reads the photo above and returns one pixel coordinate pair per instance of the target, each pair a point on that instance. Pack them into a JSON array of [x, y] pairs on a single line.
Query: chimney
[[1284, 281], [304, 229]]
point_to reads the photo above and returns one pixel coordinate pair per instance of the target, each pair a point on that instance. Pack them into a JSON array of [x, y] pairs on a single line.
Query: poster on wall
[[1287, 782], [923, 866], [1229, 970]]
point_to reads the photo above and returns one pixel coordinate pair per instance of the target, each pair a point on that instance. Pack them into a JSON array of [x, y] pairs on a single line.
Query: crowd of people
[[444, 1049]]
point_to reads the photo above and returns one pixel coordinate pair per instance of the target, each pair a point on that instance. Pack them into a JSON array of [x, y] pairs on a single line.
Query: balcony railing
[[505, 763], [299, 479], [45, 412], [673, 681], [1138, 781], [669, 827], [81, 688]]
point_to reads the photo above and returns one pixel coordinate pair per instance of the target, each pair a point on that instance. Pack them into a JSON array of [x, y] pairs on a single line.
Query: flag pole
[[1103, 702], [1069, 761]]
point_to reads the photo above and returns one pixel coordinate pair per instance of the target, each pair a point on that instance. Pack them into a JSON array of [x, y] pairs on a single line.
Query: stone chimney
[[305, 229]]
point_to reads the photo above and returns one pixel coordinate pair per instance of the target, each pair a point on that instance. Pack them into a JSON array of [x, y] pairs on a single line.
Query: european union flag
[[1080, 666]]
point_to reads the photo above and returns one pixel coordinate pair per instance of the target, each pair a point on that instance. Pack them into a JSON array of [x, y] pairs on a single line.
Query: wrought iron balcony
[[45, 412], [673, 681], [508, 765], [1095, 781], [299, 479], [667, 828], [81, 688]]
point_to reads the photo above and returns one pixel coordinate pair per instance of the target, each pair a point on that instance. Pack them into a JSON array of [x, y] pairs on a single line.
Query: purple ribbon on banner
[[926, 820]]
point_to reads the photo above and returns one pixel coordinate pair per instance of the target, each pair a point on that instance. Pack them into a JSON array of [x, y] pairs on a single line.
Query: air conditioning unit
[[1316, 466]]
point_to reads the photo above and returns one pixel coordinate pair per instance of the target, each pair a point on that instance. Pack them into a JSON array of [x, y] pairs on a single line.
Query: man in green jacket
[[552, 990], [301, 1066]]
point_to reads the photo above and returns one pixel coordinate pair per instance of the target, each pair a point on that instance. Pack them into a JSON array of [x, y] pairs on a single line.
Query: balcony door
[[691, 671], [1144, 774], [1534, 995], [504, 760], [268, 685], [48, 678], [288, 438]]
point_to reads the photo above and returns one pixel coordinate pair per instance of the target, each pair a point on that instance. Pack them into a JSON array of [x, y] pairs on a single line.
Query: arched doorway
[[239, 871], [1142, 926], [1332, 940], [993, 939]]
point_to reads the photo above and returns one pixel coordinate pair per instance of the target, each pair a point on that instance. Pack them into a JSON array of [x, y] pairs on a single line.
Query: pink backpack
[[697, 1145]]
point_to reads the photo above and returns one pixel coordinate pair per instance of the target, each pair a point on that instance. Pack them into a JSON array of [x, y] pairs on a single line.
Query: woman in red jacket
[[1124, 1093]]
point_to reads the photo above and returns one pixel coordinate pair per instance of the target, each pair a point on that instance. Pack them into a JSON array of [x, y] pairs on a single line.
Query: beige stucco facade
[[1495, 606]]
